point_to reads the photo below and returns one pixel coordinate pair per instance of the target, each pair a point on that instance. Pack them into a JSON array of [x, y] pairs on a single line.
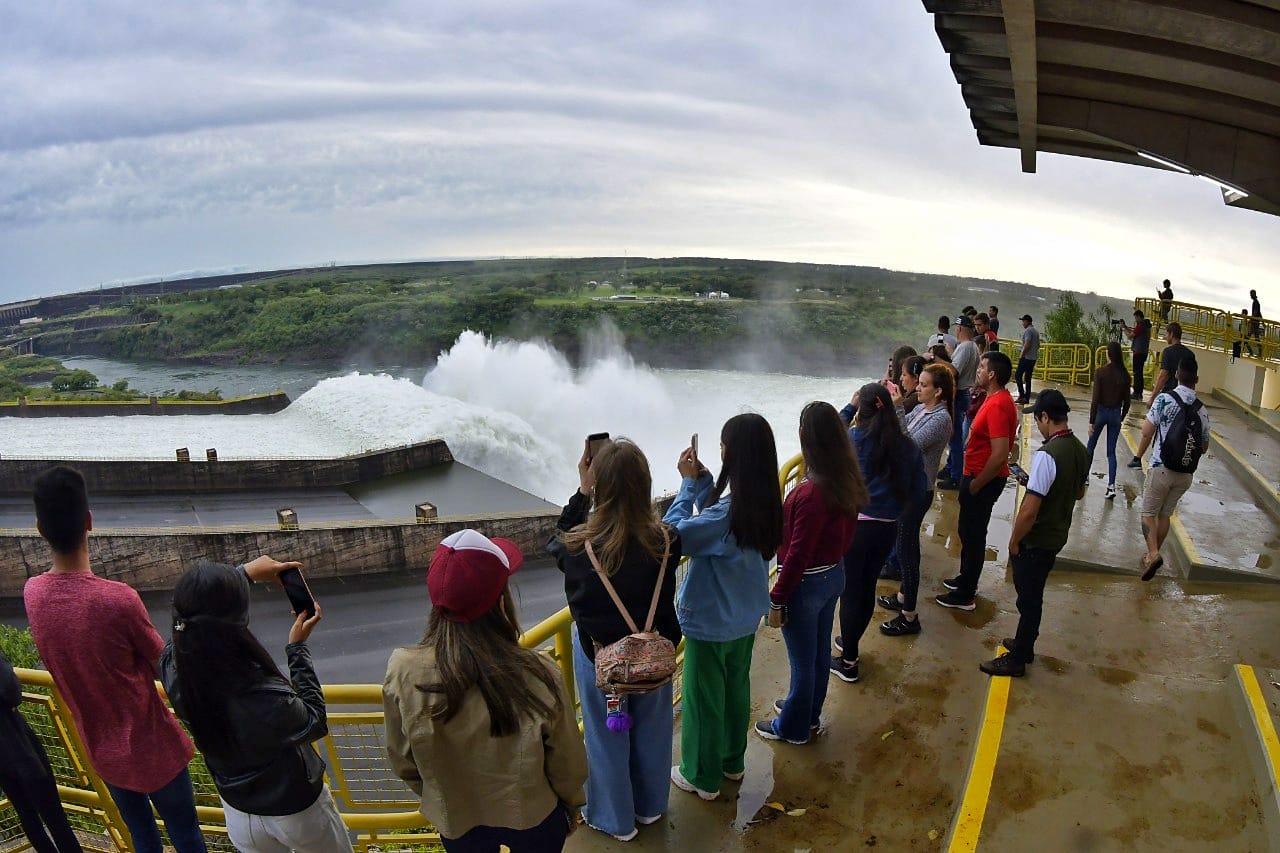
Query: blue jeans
[[628, 773], [1108, 416], [1026, 367], [548, 835], [959, 432], [807, 631], [176, 804]]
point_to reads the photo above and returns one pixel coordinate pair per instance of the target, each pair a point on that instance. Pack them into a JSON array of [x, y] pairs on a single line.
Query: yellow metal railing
[[1215, 329], [1067, 363], [377, 807]]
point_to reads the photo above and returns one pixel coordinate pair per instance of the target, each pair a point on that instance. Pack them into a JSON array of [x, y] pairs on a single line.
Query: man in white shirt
[[942, 336], [1163, 487]]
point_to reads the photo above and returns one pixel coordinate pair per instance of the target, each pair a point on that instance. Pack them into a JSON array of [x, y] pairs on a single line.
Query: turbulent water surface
[[517, 411]]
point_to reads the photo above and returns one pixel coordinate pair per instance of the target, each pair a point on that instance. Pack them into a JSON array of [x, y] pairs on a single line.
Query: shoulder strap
[[613, 593]]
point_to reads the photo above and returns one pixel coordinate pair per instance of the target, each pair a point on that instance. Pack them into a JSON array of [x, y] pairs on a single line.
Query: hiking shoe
[[1111, 492], [1011, 645], [777, 709], [1135, 462], [900, 626], [889, 602], [956, 600], [765, 730], [1149, 569], [843, 670], [952, 583], [1006, 665], [677, 779]]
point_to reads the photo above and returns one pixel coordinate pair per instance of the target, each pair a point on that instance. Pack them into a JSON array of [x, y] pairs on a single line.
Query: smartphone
[[295, 586], [595, 442], [693, 442], [1018, 474]]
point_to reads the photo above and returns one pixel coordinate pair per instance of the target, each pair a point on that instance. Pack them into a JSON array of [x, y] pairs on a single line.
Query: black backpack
[[1183, 443]]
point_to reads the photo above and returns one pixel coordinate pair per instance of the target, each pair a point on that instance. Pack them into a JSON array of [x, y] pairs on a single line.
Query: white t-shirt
[[1162, 413]]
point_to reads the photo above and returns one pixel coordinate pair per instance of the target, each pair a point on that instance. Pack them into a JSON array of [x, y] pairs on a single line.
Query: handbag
[[642, 660]]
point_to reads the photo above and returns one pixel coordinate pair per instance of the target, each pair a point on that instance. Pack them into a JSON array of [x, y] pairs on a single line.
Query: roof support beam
[[1020, 30]]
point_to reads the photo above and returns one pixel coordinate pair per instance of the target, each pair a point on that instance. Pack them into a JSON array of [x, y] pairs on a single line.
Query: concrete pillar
[[184, 455], [211, 454], [425, 512], [288, 518]]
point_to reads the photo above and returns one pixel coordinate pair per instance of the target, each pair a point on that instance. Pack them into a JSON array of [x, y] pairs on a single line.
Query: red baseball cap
[[468, 573]]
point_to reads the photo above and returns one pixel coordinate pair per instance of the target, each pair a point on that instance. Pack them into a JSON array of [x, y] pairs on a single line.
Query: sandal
[[1150, 569]]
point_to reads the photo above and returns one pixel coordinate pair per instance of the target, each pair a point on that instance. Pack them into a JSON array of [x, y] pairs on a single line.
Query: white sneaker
[[677, 779], [734, 777], [646, 821], [1111, 492]]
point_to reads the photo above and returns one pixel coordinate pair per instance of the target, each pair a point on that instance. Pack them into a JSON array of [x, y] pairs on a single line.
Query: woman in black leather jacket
[[254, 726]]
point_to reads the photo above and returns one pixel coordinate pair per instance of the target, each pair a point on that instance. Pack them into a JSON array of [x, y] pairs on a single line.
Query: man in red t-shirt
[[98, 643], [986, 470]]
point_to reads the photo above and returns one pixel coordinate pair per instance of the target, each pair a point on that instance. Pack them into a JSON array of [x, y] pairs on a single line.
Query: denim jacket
[[726, 591]]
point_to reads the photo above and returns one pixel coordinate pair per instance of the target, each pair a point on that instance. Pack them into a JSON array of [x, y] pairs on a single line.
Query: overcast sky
[[149, 139]]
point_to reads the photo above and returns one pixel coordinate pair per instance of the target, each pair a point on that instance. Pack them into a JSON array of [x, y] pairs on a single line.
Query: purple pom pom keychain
[[618, 720]]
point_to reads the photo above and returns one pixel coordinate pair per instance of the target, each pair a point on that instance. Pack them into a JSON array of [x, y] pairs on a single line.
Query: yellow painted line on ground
[[1262, 721], [1175, 524], [977, 787]]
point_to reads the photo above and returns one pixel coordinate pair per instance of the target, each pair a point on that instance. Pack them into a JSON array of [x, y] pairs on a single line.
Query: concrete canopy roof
[[1194, 83]]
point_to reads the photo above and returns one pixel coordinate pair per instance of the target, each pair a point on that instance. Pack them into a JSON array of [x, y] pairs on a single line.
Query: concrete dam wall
[[258, 404]]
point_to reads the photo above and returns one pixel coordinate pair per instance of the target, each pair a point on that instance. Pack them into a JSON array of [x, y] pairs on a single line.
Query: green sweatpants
[[716, 710]]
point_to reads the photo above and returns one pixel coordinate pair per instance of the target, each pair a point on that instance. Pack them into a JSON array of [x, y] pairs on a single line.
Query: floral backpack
[[642, 660]]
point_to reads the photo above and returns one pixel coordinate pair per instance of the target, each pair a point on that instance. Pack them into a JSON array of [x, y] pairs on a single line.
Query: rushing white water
[[517, 411]]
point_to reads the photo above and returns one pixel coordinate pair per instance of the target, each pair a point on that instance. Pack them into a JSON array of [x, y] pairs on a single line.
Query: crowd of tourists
[[483, 730]]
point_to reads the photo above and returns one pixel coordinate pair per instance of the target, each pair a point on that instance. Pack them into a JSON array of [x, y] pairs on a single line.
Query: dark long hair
[[486, 654], [1116, 356], [750, 471], [900, 355], [883, 434], [829, 460], [214, 653]]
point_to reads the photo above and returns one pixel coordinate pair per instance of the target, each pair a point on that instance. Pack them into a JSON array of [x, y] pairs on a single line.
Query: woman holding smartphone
[[255, 727], [818, 520], [482, 729], [628, 779], [894, 472], [929, 426], [729, 543]]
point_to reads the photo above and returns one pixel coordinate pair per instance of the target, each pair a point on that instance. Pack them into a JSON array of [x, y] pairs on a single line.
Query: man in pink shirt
[[99, 645]]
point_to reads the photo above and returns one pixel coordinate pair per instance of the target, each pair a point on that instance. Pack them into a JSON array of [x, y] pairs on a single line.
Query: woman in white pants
[[254, 726]]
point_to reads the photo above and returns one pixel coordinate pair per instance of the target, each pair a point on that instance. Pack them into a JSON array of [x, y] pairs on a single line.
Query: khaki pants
[[1162, 491]]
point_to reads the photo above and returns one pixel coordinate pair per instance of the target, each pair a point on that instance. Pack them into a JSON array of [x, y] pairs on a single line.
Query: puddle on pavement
[[1058, 666], [756, 787], [1114, 675]]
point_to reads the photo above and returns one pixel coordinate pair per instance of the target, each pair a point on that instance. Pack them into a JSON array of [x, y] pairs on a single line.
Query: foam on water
[[515, 410]]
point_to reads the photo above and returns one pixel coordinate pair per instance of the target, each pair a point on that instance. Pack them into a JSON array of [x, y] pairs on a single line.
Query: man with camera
[[1140, 334]]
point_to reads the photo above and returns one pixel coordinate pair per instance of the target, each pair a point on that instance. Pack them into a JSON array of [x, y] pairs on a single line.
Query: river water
[[517, 411]]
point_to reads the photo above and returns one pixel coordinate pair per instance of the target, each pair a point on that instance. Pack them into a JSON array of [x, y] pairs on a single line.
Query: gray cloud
[[139, 139]]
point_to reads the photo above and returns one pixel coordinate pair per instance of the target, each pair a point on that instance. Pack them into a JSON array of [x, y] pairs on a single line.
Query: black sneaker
[[900, 626], [764, 729], [952, 583], [944, 474], [843, 670], [839, 644], [949, 485], [1011, 645], [1135, 462], [1006, 665], [956, 600], [777, 709], [889, 602], [889, 573]]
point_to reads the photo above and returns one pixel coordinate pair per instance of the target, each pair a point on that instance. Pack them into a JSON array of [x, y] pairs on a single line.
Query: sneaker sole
[[953, 606], [949, 585]]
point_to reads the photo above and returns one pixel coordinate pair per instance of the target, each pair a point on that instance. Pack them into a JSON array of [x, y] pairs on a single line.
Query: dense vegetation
[[37, 378], [784, 316]]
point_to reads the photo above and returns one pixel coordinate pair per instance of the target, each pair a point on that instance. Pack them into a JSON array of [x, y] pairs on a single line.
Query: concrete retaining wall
[[153, 476], [259, 404], [154, 561]]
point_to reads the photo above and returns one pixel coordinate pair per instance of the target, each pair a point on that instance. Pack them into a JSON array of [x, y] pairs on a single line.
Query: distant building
[[27, 321]]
